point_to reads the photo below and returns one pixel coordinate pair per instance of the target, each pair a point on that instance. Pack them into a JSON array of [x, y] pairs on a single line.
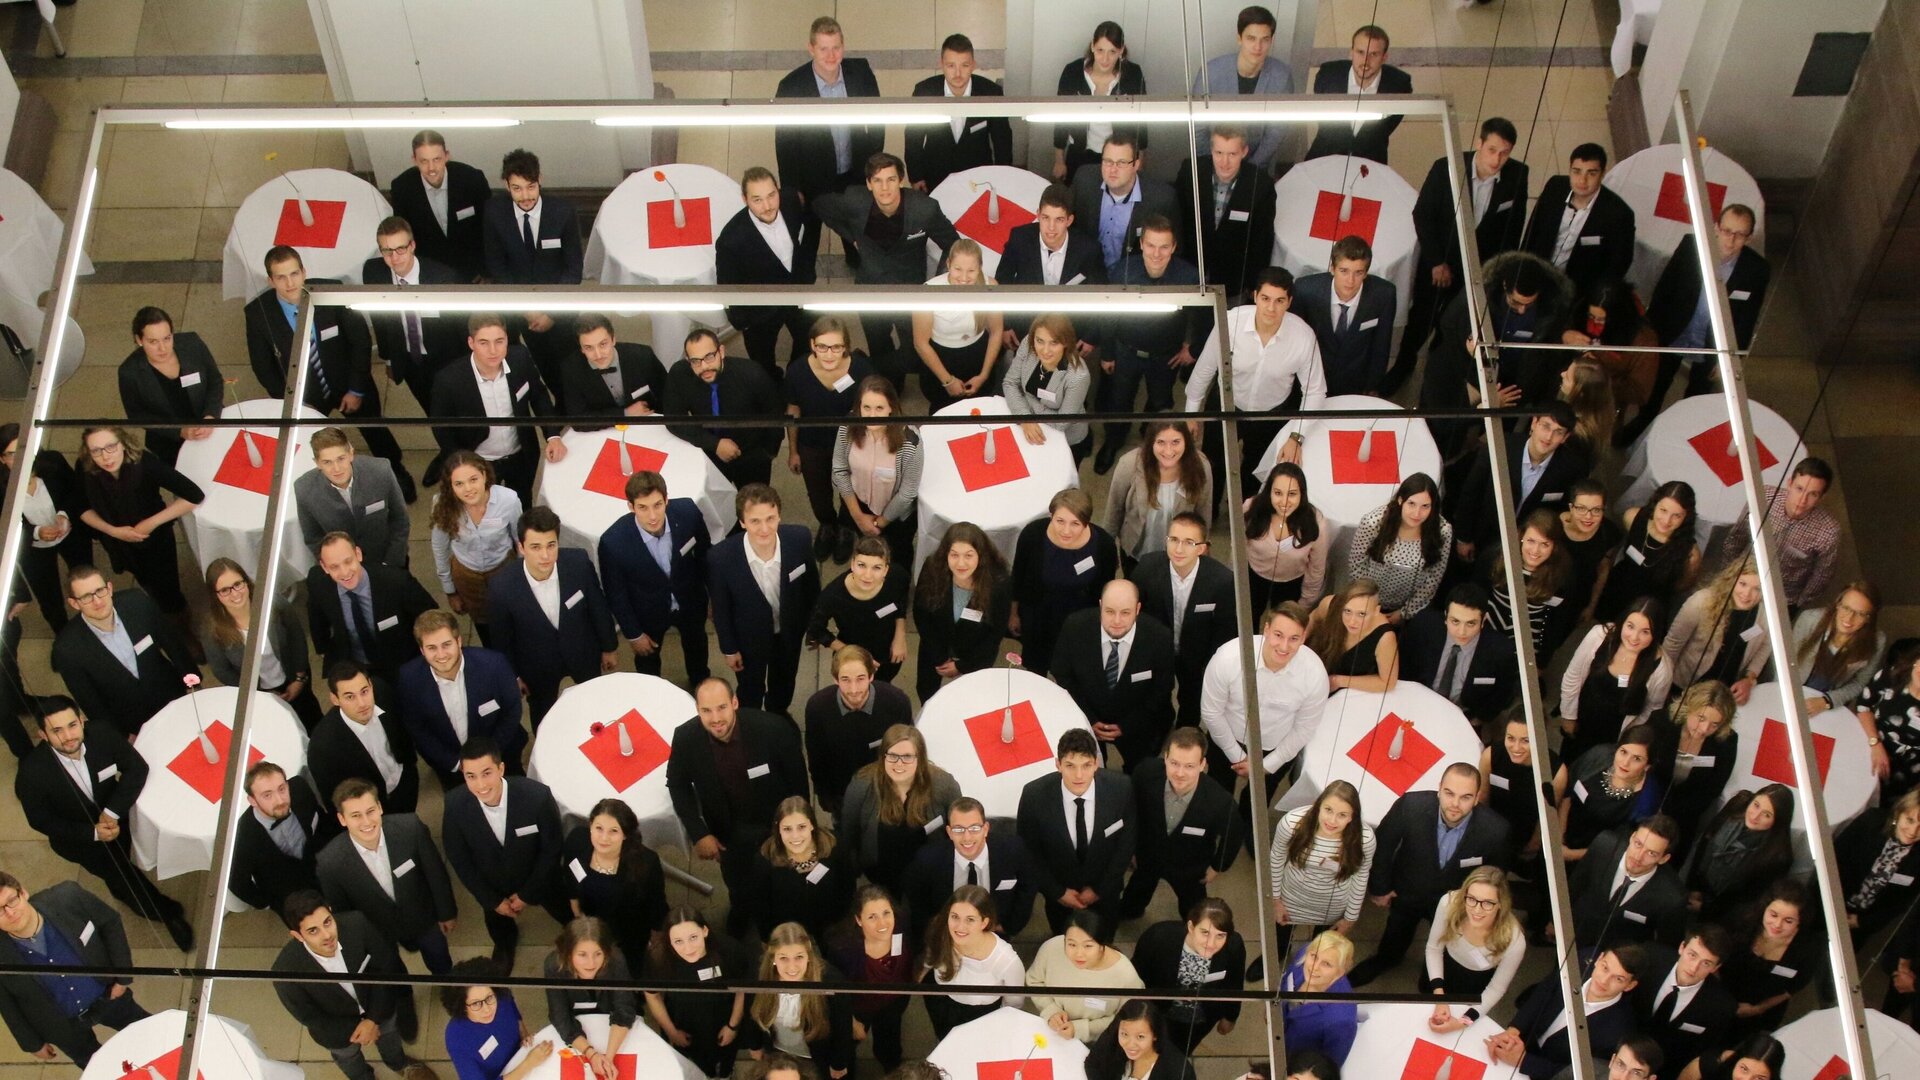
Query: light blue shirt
[[1699, 330], [119, 644], [292, 311], [842, 134], [961, 598], [1530, 473], [1115, 215], [661, 548], [479, 546], [360, 595], [1448, 840]]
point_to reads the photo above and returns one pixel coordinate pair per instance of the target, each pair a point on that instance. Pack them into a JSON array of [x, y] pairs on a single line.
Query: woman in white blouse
[[1475, 947], [958, 347], [473, 521], [1319, 862], [964, 948]]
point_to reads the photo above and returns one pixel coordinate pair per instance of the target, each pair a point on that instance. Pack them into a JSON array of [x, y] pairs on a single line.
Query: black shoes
[[181, 931], [1103, 461]]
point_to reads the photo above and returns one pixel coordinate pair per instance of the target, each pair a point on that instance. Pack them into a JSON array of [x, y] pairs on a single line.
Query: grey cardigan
[[906, 466], [1846, 692], [1221, 78], [1126, 512], [285, 636], [1070, 399], [858, 826]]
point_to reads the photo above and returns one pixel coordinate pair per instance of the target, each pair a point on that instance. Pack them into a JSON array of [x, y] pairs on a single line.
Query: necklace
[[1606, 785]]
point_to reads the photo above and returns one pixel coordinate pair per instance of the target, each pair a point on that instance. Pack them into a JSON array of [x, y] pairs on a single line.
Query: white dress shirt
[[373, 736], [1634, 884], [76, 767], [1264, 372], [1182, 595], [961, 862], [337, 963], [1291, 701], [1671, 985], [546, 593], [1482, 191], [534, 213], [1067, 807], [766, 573], [497, 816], [1587, 1006], [437, 200], [379, 862], [1354, 87], [453, 698], [1125, 641], [959, 122], [496, 399], [1097, 132], [1572, 220], [779, 241]]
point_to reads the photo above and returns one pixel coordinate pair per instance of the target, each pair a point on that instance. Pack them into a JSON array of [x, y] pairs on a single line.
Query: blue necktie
[[713, 395]]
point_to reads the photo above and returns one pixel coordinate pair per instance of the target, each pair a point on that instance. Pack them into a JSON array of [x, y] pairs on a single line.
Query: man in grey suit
[[389, 869], [1251, 70], [65, 925], [352, 495], [1113, 202]]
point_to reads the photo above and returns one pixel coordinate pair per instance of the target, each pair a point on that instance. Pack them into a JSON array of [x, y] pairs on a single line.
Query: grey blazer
[[1847, 691], [378, 520], [1221, 78], [1127, 509], [858, 825], [285, 636], [1695, 638], [1069, 386]]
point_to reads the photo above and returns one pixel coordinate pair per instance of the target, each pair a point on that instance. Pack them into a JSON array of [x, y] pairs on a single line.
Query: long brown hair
[[1352, 850], [814, 1024], [935, 588], [918, 809], [895, 434], [1329, 639], [585, 928], [1060, 329], [1858, 651], [225, 630], [1193, 464], [1545, 583], [775, 852], [448, 510], [632, 846], [941, 957]]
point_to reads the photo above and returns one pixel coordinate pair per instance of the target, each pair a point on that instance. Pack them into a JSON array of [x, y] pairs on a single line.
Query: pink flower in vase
[[192, 681], [1013, 658]]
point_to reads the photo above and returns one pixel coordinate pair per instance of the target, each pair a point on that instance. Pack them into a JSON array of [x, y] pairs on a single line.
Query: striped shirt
[[1314, 895], [905, 485]]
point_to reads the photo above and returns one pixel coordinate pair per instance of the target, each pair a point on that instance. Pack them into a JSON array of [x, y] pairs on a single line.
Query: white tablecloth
[[1042, 713], [585, 512], [992, 1047], [232, 520], [625, 248], [228, 1052], [1848, 777], [1000, 509], [1358, 726], [1815, 1050], [1651, 182], [1319, 182], [1636, 26], [967, 198], [28, 322], [346, 210], [652, 1058], [1394, 1041], [1665, 453], [578, 783], [173, 820], [30, 235]]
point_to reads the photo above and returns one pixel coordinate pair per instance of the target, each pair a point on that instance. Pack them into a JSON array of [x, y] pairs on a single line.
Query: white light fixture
[[1121, 307], [329, 123], [724, 117], [535, 302], [1202, 116]]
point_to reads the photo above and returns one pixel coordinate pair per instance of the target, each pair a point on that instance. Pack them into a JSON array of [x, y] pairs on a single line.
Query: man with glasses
[[346, 1017], [1191, 593], [1638, 1058], [497, 382], [1119, 669], [1189, 834], [533, 239], [1538, 1042], [703, 385], [65, 925], [1689, 1006], [442, 200], [609, 378], [349, 494], [415, 345], [122, 660], [973, 855], [1678, 309], [1114, 201], [1363, 76], [846, 721]]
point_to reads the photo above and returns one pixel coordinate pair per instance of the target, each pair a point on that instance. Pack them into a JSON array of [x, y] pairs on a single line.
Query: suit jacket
[[700, 798], [443, 337], [346, 349], [147, 398], [1220, 78], [102, 686], [493, 707], [1142, 701], [1156, 197], [928, 882], [398, 599], [1241, 245], [1082, 263], [527, 864], [1542, 1004], [584, 393], [1209, 621], [56, 807], [325, 1009], [459, 246], [902, 263], [840, 744], [741, 619], [377, 520], [1492, 676], [422, 894], [92, 928], [540, 652], [1859, 845], [263, 875], [457, 394], [557, 257], [335, 753], [1605, 247], [1073, 83], [1686, 1034], [1156, 958], [745, 390], [741, 257], [1406, 854], [639, 595], [804, 155], [1114, 831], [1473, 516], [1657, 911], [1678, 292], [1498, 231], [1206, 836], [933, 153], [1339, 137], [1355, 361]]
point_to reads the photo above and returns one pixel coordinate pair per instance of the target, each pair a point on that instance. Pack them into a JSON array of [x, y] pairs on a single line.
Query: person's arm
[[442, 558], [1354, 889], [1306, 720], [1436, 950], [1217, 701], [906, 481], [1204, 370], [1659, 684], [1013, 385], [1576, 673]]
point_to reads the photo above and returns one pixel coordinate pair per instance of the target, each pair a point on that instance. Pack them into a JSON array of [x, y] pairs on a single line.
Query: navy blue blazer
[[741, 619], [638, 593], [1355, 361], [557, 260], [491, 686], [538, 652]]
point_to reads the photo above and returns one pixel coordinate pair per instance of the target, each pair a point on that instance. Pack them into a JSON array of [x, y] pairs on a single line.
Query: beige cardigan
[[1126, 510], [1090, 1015], [1695, 637]]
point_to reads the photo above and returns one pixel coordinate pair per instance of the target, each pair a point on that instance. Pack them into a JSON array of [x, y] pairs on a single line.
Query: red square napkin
[[606, 478], [1427, 1057], [1381, 467], [650, 751], [191, 765], [1672, 203], [168, 1064], [1028, 746], [323, 233], [1711, 445], [1328, 226], [1835, 1068], [1417, 755], [626, 1067], [1034, 1068], [992, 234], [663, 233], [1774, 759], [236, 468], [969, 456]]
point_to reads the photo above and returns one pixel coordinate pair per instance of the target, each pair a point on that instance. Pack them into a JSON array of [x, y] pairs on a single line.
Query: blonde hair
[[1505, 926], [1334, 943], [814, 1024], [1708, 694]]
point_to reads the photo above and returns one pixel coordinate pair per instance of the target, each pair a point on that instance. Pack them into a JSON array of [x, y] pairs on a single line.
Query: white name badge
[[917, 235], [843, 383], [933, 824], [1553, 496], [1140, 676], [328, 333], [526, 830], [387, 623], [1075, 279], [1901, 879], [1192, 830], [874, 745], [522, 392], [377, 504], [1475, 861], [86, 933], [578, 595], [579, 872], [1096, 1005], [364, 961], [886, 611], [1784, 971], [1636, 555], [794, 574], [1005, 885], [1703, 761], [899, 945], [1624, 680], [403, 869], [1693, 1029], [1590, 241], [1370, 324], [143, 644], [970, 615], [585, 1006], [1580, 790], [1484, 680], [639, 392], [1634, 916], [1214, 976], [1236, 215], [1118, 825], [1555, 601], [1047, 396], [1737, 294], [1083, 565], [1503, 207], [488, 707], [464, 213], [977, 126], [551, 243], [1198, 608], [688, 546], [1500, 782], [487, 1048], [1750, 632], [758, 771], [191, 378], [818, 872]]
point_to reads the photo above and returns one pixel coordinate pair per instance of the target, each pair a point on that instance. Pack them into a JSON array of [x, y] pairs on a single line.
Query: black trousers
[[380, 440], [1188, 890], [736, 869], [550, 348], [693, 648], [947, 1014], [962, 363], [766, 681], [304, 705], [41, 569], [816, 470], [517, 471], [13, 692], [75, 1038], [1118, 390], [751, 467], [1221, 770], [762, 339], [1058, 913], [1423, 313], [155, 564], [112, 862], [1404, 917], [883, 1032], [504, 931], [890, 346]]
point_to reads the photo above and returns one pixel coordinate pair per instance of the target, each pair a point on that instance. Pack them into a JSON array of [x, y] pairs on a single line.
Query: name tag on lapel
[[886, 611], [794, 574], [1750, 632], [522, 391], [977, 126], [1580, 790], [387, 623], [551, 243], [1047, 396], [1075, 279], [1503, 207], [899, 945], [362, 969], [526, 830], [328, 333], [1634, 916], [1901, 879], [1198, 608], [403, 869], [1005, 884], [1703, 761], [191, 378], [487, 1048], [1693, 1029], [706, 973], [375, 506], [1474, 861], [579, 872], [143, 645], [1097, 1005], [585, 1006], [1591, 241], [874, 745], [1637, 556], [688, 546], [1120, 824], [1140, 676], [1083, 566], [86, 933], [107, 773], [1784, 971], [638, 393], [1555, 601], [1485, 680], [464, 213], [1192, 830], [815, 875], [1236, 215], [1370, 324], [758, 771], [578, 595], [1500, 782], [488, 707], [1214, 976], [970, 615], [1737, 294], [933, 824]]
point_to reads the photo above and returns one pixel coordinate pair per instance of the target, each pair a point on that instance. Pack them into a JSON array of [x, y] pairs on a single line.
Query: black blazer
[[422, 894], [346, 349], [1492, 677], [1209, 620], [700, 798], [444, 337], [398, 599], [638, 594], [741, 257], [1073, 83], [56, 807], [1657, 911], [263, 875], [1339, 137], [804, 155], [1406, 856], [1207, 835], [1678, 292], [1542, 1004], [540, 653], [742, 621], [457, 395], [336, 753], [1156, 197], [1045, 828], [973, 645], [932, 152], [1142, 701], [1498, 231], [460, 246], [147, 398], [839, 744], [1859, 845], [1156, 959], [93, 928], [1682, 1038], [557, 258], [1474, 517], [102, 686], [528, 864], [901, 262], [928, 882], [1605, 247], [1241, 246], [1020, 261], [745, 390], [326, 1010], [1355, 361], [584, 393]]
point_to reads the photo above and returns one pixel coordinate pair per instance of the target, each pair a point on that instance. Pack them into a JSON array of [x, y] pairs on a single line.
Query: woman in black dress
[[1743, 849], [826, 385], [1785, 948], [961, 606], [53, 530], [123, 486], [1604, 790], [1657, 555], [801, 874], [1136, 1047], [1355, 641], [1508, 766], [872, 948], [612, 875], [1590, 539], [168, 383], [1060, 564], [866, 606], [1694, 756], [1617, 677], [704, 1027], [1103, 71], [1889, 712]]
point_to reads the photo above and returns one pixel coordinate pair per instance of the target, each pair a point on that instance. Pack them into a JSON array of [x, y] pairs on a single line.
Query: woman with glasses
[[1836, 649], [876, 471], [890, 806], [1060, 565], [485, 1029], [1104, 71], [1589, 537], [866, 606], [474, 519], [612, 875], [962, 604], [1474, 947], [812, 1026], [802, 873], [1082, 959], [964, 947], [1657, 555], [1403, 546], [827, 385], [591, 973], [958, 348], [124, 505], [283, 656], [704, 1027], [873, 949], [1163, 476], [1287, 540], [1048, 379], [1136, 1047]]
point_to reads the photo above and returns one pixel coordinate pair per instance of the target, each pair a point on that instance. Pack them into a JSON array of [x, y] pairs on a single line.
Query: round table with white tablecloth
[[994, 1047], [1314, 211], [227, 1051], [579, 754], [643, 1055], [1652, 184], [333, 230], [957, 483], [28, 322], [658, 228], [965, 726], [1689, 441], [30, 235], [1355, 743], [1394, 1041], [987, 202], [587, 488], [1840, 748], [1816, 1051], [174, 818], [231, 522], [1636, 28]]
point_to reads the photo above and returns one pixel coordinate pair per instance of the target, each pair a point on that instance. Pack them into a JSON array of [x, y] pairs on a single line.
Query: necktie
[[1340, 327], [1113, 664], [414, 346], [1445, 685], [526, 232], [313, 360], [1619, 896], [1663, 1012], [362, 628], [1080, 828], [713, 396], [973, 873]]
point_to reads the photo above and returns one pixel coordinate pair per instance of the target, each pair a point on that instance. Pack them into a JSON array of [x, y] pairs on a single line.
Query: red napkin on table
[[969, 456], [992, 234], [625, 1067], [1029, 741], [236, 469], [1328, 226], [168, 1064], [1381, 467], [1835, 1068], [1417, 755], [662, 233], [650, 751], [1774, 760], [606, 478], [207, 778], [323, 233], [1711, 445], [1034, 1068], [1427, 1057], [1672, 204]]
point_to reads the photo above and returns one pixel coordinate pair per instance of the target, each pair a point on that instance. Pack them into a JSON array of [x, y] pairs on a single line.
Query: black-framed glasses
[[1478, 904], [830, 350], [97, 594], [103, 450], [230, 591], [902, 759], [702, 361], [401, 250], [487, 1002]]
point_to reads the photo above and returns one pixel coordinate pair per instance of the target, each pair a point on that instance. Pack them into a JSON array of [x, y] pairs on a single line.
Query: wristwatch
[[1874, 741]]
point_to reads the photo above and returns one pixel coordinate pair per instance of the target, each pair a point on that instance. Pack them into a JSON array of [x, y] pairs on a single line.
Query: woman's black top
[[866, 623], [702, 1015], [1073, 83], [1051, 582], [1689, 798], [1157, 958], [1549, 620], [1603, 709], [1594, 808], [585, 997], [1896, 718], [1362, 660], [162, 405], [1645, 567], [1729, 663], [1754, 979], [1877, 874], [805, 390], [1510, 793], [972, 644], [1731, 865], [134, 495], [816, 899], [1589, 556], [633, 908]]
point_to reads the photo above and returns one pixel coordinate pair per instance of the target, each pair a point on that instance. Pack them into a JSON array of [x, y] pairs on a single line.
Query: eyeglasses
[[1854, 611], [966, 830], [484, 1003], [402, 249], [1585, 511], [1732, 232], [702, 361], [1183, 543], [902, 759], [102, 451], [232, 590], [1631, 1073], [96, 595], [13, 906], [830, 350], [1478, 904], [1117, 163]]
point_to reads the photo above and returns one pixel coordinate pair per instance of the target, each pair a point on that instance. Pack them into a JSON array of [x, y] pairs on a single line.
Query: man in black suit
[[415, 346], [1119, 669], [497, 381], [1191, 593], [1678, 310], [1537, 1043], [278, 839], [362, 611], [654, 564], [1147, 348], [1189, 833], [1235, 223], [1049, 250], [357, 739], [816, 161], [1363, 76], [339, 363], [167, 378], [1541, 468], [65, 925], [1449, 651], [973, 855], [729, 769], [763, 583], [503, 840], [1081, 826], [845, 722], [345, 1016], [1686, 1006], [550, 619], [353, 495], [1497, 191], [1624, 892], [703, 386], [935, 153], [443, 200], [1112, 203], [1423, 848], [1351, 312], [769, 244], [609, 378], [121, 659], [386, 867], [77, 789], [1580, 226], [534, 240]]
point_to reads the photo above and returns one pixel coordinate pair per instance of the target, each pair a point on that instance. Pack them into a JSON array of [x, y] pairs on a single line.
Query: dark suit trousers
[[1146, 879], [736, 869], [1404, 917], [1423, 314], [1058, 913], [816, 469], [113, 864], [1221, 770], [380, 440], [432, 947], [1117, 391], [766, 681], [504, 930], [1702, 378], [393, 1053], [763, 340], [517, 471], [550, 348], [751, 467], [693, 648], [13, 692], [155, 564], [75, 1038], [890, 346], [41, 568]]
